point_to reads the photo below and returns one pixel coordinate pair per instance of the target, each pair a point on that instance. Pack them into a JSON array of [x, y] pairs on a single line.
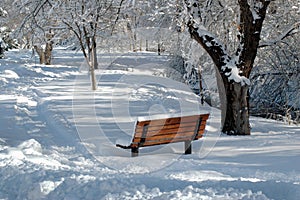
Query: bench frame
[[169, 130]]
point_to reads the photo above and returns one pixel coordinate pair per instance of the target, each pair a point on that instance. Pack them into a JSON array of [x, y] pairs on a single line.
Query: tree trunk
[[158, 48], [200, 85], [41, 53], [49, 48], [48, 53], [93, 77], [147, 47], [93, 63], [237, 112], [233, 94], [222, 96], [44, 56], [94, 53], [141, 44], [1, 52]]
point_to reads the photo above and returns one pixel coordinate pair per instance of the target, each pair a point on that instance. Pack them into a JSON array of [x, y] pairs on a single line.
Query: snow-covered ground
[[57, 137]]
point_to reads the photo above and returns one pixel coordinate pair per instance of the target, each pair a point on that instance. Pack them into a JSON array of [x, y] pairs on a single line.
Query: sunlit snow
[[57, 137]]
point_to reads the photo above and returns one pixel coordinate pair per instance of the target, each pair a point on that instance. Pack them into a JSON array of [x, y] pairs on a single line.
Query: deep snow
[[57, 137]]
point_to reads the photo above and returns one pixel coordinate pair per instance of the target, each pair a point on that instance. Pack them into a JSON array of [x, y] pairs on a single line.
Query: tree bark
[[49, 48], [222, 96], [250, 25], [147, 47], [41, 54], [94, 53], [45, 55], [93, 62], [1, 52], [93, 77], [48, 53], [237, 113]]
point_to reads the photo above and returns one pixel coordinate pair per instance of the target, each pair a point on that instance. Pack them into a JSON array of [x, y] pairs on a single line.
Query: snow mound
[[29, 151], [31, 147], [10, 74]]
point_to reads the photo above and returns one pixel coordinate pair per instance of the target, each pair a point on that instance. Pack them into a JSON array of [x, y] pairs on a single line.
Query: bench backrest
[[169, 130]]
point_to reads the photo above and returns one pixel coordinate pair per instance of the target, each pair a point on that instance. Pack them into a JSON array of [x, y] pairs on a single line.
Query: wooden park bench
[[169, 130]]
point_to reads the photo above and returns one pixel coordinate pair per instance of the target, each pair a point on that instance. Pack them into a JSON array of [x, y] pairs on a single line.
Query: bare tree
[[6, 41], [88, 20], [36, 26]]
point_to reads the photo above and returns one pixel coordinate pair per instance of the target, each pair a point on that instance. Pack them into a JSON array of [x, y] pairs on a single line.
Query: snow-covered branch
[[291, 31], [117, 16], [209, 42], [251, 18], [225, 64]]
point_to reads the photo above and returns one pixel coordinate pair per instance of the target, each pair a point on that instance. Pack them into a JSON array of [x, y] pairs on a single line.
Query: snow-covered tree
[[36, 28], [6, 42], [89, 20], [275, 88], [49, 20], [149, 24], [234, 60], [3, 45]]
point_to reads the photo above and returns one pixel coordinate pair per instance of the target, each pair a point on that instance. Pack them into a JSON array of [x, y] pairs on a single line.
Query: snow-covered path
[[57, 137]]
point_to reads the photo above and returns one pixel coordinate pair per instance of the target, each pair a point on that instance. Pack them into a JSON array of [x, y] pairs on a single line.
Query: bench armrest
[[123, 147]]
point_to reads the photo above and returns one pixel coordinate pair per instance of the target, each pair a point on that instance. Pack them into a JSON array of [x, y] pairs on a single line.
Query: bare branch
[[118, 16], [290, 32]]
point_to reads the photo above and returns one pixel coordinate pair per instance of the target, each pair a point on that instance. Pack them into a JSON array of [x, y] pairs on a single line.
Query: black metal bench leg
[[188, 147], [134, 152]]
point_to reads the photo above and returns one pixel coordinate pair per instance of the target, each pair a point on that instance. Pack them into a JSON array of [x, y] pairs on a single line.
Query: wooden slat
[[166, 141], [172, 121], [187, 136], [164, 131], [175, 120], [139, 129], [204, 117], [201, 130], [136, 141], [170, 135]]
